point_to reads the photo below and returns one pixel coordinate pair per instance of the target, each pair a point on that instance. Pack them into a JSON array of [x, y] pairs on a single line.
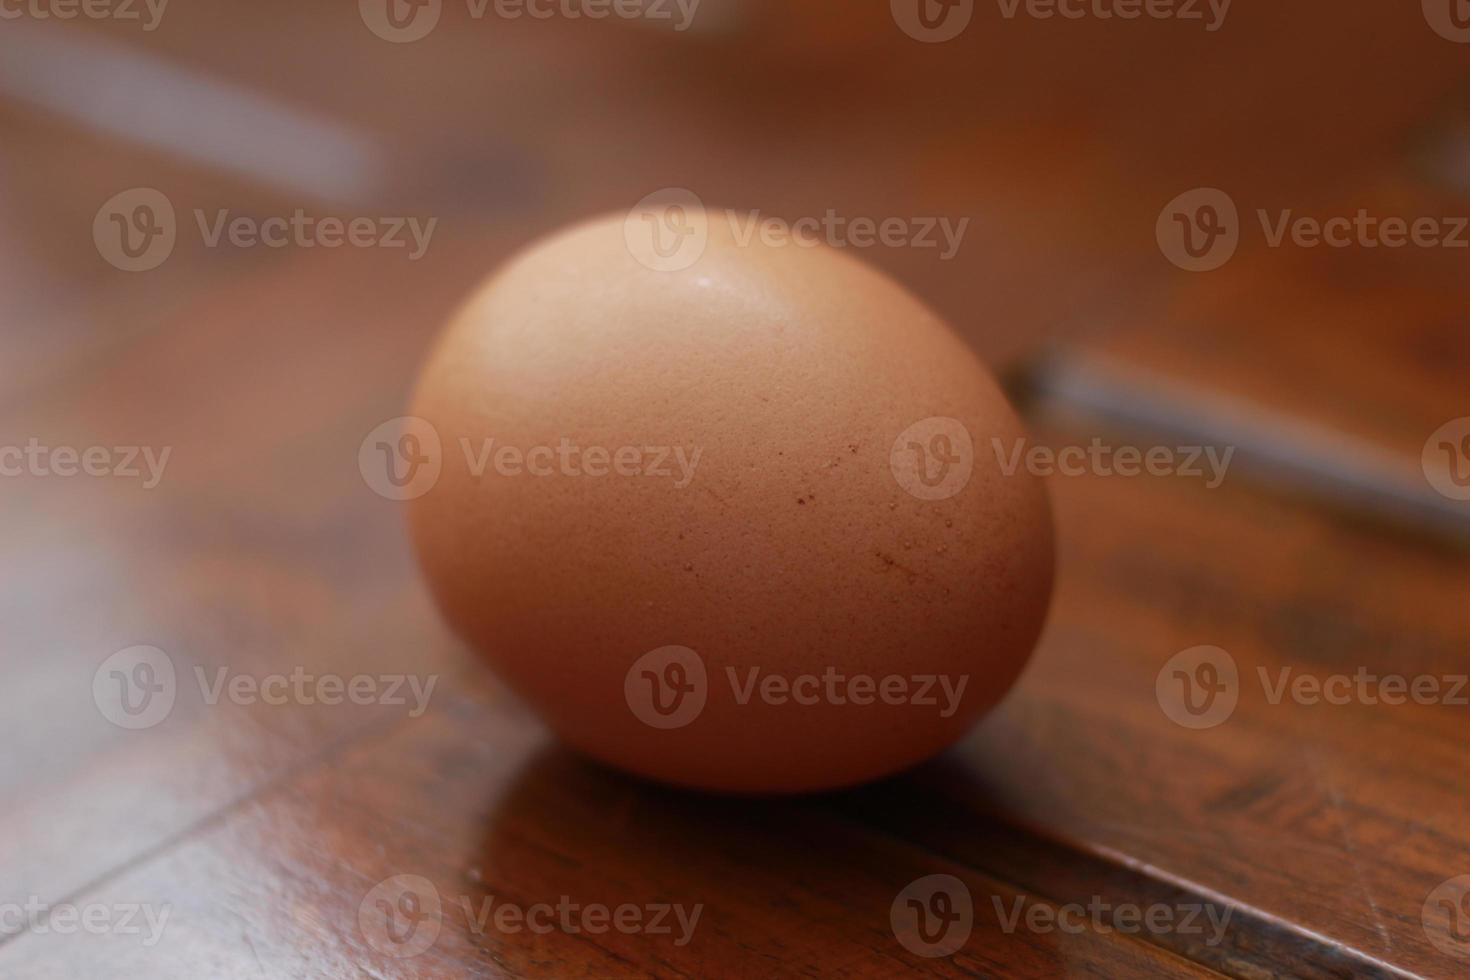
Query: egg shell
[[820, 523]]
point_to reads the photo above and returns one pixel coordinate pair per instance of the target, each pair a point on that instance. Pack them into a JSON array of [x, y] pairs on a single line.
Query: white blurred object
[[141, 99]]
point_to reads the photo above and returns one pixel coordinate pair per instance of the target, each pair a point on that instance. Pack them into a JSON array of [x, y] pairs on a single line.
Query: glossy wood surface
[[1323, 831]]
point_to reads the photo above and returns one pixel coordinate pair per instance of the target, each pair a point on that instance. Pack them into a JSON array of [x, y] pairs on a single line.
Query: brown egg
[[729, 514]]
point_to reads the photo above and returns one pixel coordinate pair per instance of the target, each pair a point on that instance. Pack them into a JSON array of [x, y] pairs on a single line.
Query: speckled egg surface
[[736, 517]]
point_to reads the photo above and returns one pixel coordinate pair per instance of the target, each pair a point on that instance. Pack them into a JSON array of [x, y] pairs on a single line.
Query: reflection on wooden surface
[[265, 828]]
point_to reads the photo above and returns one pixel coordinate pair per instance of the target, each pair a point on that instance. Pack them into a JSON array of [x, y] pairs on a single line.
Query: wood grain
[[472, 799], [1320, 829], [1326, 825]]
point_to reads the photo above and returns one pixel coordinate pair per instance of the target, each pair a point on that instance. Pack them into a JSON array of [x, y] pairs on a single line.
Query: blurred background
[[1089, 153]]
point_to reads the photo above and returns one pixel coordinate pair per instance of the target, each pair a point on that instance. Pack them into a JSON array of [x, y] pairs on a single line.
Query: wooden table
[[1326, 838]]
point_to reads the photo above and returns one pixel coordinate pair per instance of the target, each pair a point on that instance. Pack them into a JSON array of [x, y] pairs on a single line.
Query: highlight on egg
[[726, 512]]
